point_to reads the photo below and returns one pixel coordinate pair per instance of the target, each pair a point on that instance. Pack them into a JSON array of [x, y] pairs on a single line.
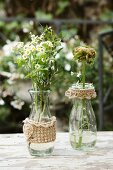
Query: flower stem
[[83, 104], [83, 73]]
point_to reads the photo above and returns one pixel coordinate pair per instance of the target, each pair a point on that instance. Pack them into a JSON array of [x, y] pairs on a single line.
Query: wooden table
[[14, 154]]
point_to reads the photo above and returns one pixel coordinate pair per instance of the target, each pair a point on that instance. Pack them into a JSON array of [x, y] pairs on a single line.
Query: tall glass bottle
[[40, 127]]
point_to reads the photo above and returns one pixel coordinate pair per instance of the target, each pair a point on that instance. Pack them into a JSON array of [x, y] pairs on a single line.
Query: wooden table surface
[[14, 154]]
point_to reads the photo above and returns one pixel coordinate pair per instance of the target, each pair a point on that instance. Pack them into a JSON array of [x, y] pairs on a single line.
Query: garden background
[[78, 22]]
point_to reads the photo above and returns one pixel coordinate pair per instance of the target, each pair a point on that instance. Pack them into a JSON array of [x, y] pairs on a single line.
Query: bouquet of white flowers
[[38, 58]]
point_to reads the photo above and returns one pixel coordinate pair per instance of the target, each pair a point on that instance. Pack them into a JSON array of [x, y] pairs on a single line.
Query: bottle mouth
[[88, 86], [38, 91], [77, 91]]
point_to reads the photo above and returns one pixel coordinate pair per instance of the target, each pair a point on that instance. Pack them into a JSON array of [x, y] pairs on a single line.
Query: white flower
[[37, 66], [72, 73], [72, 41], [57, 56], [47, 43], [78, 74], [49, 28], [52, 67], [32, 36], [7, 93], [2, 101], [25, 30], [64, 46], [67, 67], [69, 56], [79, 64], [26, 46], [32, 48], [41, 36], [40, 48], [12, 66], [17, 104], [24, 57], [34, 39], [20, 44], [82, 44], [7, 49]]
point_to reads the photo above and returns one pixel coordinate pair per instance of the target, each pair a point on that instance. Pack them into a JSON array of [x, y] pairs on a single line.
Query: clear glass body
[[82, 125], [40, 112]]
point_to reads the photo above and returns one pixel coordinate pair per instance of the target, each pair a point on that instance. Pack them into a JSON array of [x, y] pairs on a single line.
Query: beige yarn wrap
[[80, 93], [40, 132]]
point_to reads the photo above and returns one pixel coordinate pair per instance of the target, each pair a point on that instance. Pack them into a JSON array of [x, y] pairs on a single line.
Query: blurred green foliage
[[4, 112], [106, 14]]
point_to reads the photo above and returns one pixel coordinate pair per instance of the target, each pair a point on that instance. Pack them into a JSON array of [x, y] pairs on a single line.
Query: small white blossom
[[27, 45], [79, 64], [79, 74], [57, 56], [32, 48], [7, 49], [47, 43], [32, 36], [2, 101], [12, 66], [52, 67], [40, 48], [25, 30], [7, 93], [69, 56], [72, 41], [64, 46], [20, 44], [41, 37], [37, 66], [17, 104], [49, 28], [42, 59], [24, 57], [72, 73], [68, 67]]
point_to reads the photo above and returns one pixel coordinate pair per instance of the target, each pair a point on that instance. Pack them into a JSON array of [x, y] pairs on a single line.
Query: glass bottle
[[82, 122], [82, 125], [40, 117]]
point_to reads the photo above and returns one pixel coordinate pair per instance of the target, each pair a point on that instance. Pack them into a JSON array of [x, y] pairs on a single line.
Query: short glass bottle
[[82, 122]]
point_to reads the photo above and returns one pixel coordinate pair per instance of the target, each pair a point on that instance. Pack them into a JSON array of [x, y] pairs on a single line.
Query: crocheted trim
[[40, 132], [81, 93]]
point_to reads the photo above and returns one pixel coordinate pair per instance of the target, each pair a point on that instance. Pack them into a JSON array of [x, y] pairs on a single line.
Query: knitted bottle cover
[[74, 92], [40, 132]]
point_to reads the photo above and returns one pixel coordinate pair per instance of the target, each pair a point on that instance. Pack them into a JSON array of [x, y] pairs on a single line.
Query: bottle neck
[[40, 96], [40, 104], [82, 102]]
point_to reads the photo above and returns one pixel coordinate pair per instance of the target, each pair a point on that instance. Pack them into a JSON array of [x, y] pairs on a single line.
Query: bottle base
[[85, 142], [84, 147], [41, 150]]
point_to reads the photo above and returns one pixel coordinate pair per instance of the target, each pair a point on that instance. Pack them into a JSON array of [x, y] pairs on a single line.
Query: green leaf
[[42, 15], [62, 6]]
